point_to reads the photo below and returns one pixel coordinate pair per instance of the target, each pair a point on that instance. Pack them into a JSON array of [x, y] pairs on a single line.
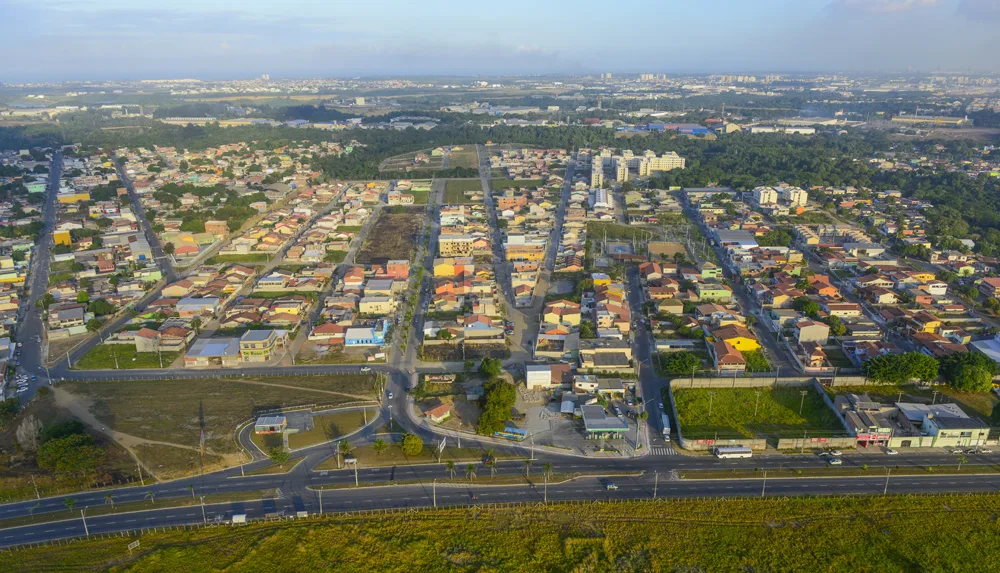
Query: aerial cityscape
[[276, 301]]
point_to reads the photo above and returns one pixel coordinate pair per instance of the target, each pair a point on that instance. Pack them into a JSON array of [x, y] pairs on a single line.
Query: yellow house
[[11, 277], [65, 198], [600, 279], [444, 268], [923, 276], [62, 238], [739, 337]]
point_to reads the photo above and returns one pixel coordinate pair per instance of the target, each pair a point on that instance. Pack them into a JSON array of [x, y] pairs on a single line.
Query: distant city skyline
[[58, 40]]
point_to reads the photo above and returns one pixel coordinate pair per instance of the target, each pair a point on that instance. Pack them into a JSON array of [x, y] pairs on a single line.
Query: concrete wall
[[806, 442]]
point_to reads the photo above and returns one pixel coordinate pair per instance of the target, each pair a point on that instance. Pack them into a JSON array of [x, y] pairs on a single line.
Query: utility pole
[[138, 466], [355, 474], [545, 490], [803, 401], [34, 485], [434, 491], [711, 396], [83, 515], [204, 518], [934, 397], [885, 490], [756, 402], [764, 487], [69, 360], [656, 481]]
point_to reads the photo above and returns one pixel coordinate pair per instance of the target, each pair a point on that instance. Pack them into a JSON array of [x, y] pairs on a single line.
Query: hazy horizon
[[59, 40]]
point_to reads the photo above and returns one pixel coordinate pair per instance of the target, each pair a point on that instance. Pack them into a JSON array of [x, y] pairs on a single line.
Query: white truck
[[239, 518], [666, 426]]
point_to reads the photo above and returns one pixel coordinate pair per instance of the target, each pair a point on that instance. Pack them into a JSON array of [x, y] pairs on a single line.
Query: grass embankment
[[454, 191], [110, 508], [277, 468], [393, 456], [885, 534], [176, 411], [247, 258], [122, 357], [482, 477], [732, 413], [842, 471]]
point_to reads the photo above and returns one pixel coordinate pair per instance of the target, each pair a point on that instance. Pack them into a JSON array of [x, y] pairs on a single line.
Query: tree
[[46, 301], [379, 446], [470, 471], [344, 447], [468, 366], [836, 325], [168, 248], [150, 496], [75, 454], [527, 468], [450, 468], [444, 334], [29, 433], [806, 306], [683, 362], [411, 445], [70, 503], [195, 324], [82, 297], [498, 399], [491, 367], [970, 371], [547, 468], [8, 411], [101, 307], [109, 499], [94, 324], [587, 330], [775, 238], [901, 368], [278, 455]]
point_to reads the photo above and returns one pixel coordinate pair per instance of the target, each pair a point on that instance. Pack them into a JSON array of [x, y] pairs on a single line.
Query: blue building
[[367, 335]]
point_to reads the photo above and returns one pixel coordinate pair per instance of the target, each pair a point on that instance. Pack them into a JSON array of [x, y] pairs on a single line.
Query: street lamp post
[[885, 490], [656, 481], [764, 487], [83, 515], [434, 490], [803, 401], [711, 396], [756, 402], [204, 518]]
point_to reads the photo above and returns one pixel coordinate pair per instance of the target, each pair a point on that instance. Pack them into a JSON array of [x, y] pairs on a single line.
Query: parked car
[[891, 453]]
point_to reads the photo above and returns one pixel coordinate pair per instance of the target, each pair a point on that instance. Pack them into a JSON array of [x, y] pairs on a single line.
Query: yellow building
[[66, 198], [739, 337], [62, 238], [600, 279], [923, 276]]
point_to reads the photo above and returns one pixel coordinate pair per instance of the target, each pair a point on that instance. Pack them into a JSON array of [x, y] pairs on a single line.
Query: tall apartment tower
[[597, 174]]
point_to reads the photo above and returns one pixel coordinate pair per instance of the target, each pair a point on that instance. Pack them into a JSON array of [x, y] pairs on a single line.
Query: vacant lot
[[732, 413], [498, 184], [247, 258], [121, 356], [176, 411], [464, 158], [890, 534], [394, 236], [454, 191]]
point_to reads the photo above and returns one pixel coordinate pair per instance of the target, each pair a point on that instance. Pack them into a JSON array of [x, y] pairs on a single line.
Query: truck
[[239, 518], [666, 426]]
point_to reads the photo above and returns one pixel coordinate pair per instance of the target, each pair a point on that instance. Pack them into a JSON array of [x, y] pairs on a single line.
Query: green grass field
[[732, 413], [122, 356], [248, 258], [464, 158], [454, 190], [498, 184], [328, 427], [885, 534]]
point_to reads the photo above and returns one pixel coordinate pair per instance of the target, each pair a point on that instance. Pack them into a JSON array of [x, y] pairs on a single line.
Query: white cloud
[[885, 6]]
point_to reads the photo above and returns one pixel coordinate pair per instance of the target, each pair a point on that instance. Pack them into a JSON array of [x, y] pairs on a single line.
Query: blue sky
[[118, 39]]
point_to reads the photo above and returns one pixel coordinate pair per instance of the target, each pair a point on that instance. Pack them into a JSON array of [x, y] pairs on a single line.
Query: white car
[[836, 453], [891, 453], [390, 395], [985, 451], [835, 462], [366, 369]]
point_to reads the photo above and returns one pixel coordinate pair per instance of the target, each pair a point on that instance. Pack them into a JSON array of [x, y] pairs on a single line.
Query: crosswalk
[[662, 451]]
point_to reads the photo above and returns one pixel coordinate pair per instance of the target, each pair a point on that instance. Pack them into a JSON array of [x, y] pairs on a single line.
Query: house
[[736, 336], [670, 306], [811, 331], [147, 340], [605, 354], [67, 315], [213, 352], [270, 425], [438, 413], [991, 285], [562, 312], [726, 357], [714, 291], [376, 305], [195, 307], [367, 335]]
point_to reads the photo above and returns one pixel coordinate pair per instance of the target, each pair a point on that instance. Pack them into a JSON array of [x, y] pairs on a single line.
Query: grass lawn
[[56, 278], [175, 411], [498, 184], [168, 462], [61, 267], [733, 413], [886, 534], [420, 197], [277, 469], [465, 158], [334, 256], [454, 191], [103, 357], [328, 427], [348, 228], [247, 258], [266, 442]]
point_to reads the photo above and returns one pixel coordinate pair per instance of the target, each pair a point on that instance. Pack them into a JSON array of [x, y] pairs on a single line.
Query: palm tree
[[32, 509], [110, 499], [962, 460], [149, 495], [490, 455], [470, 471], [379, 446], [527, 468], [450, 466], [547, 469], [69, 502], [191, 489]]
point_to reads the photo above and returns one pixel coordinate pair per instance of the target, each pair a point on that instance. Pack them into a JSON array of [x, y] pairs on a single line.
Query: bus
[[666, 426], [512, 433], [732, 452]]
